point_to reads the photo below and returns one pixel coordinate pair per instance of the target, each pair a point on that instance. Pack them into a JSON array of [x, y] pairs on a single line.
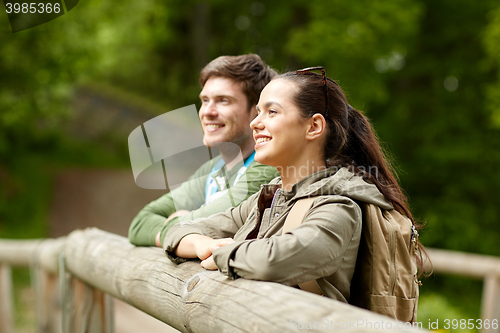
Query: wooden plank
[[21, 253], [192, 299], [17, 252], [47, 254], [490, 307], [6, 301], [461, 263]]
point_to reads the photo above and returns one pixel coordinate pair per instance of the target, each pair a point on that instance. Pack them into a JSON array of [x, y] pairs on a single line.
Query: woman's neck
[[293, 173]]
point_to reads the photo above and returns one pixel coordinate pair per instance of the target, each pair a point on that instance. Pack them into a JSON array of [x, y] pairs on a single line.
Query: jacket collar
[[331, 181]]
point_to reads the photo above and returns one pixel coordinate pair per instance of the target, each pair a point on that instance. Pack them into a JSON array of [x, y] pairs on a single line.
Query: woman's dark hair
[[351, 141]]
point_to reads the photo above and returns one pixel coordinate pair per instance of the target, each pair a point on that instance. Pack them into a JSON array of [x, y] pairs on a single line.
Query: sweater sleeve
[[151, 219], [314, 249]]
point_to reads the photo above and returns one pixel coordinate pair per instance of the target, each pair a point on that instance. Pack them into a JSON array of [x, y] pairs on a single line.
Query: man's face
[[225, 114]]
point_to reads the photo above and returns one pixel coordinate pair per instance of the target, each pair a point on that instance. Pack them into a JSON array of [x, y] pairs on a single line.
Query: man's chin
[[229, 147], [212, 144]]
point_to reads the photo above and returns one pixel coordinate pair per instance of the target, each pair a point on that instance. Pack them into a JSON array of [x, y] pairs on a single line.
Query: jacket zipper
[[413, 252], [271, 208], [392, 281]]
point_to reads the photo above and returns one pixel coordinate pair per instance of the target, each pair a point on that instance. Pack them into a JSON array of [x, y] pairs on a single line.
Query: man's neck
[[233, 154]]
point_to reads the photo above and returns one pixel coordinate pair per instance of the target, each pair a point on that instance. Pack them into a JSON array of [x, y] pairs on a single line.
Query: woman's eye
[[271, 111]]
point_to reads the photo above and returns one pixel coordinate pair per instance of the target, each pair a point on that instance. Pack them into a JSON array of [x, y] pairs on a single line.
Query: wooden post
[[490, 307], [48, 301], [6, 301], [85, 308]]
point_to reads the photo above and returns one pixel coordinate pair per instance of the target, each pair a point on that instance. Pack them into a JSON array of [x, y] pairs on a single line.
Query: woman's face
[[279, 130]]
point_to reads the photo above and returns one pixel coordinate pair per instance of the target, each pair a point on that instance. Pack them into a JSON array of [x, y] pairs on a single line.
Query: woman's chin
[[261, 158]]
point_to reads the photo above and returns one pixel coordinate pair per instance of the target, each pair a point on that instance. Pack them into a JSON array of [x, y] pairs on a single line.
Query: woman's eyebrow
[[268, 104]]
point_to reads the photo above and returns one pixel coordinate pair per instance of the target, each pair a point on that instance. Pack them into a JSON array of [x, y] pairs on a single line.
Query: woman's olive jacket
[[324, 247]]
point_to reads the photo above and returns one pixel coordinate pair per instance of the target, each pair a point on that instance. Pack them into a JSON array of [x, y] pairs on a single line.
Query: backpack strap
[[292, 221]]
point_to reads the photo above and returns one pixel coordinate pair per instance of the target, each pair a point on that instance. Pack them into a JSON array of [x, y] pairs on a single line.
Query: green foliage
[[426, 72], [435, 311], [356, 42], [24, 298], [492, 46]]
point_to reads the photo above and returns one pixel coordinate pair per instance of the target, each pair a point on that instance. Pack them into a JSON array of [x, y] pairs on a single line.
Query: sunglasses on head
[[305, 70]]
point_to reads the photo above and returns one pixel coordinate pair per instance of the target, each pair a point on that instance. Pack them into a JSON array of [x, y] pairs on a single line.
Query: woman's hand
[[195, 245], [205, 246], [209, 263]]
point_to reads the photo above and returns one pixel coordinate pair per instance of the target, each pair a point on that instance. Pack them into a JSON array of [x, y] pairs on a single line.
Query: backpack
[[385, 277]]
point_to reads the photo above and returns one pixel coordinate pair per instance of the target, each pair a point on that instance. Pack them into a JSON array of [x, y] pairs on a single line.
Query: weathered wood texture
[[195, 300], [23, 253], [5, 299], [17, 252], [192, 299], [86, 309], [467, 264], [48, 301]]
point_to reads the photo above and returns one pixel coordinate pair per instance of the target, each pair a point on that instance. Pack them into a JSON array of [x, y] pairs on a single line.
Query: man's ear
[[317, 125]]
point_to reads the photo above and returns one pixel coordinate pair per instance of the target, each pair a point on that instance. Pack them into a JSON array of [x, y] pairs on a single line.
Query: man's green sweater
[[191, 196]]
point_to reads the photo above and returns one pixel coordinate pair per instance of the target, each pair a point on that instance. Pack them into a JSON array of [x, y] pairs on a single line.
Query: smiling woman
[[284, 138], [325, 150]]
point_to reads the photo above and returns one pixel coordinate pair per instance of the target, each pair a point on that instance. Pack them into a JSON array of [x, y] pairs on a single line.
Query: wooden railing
[[94, 265], [477, 266]]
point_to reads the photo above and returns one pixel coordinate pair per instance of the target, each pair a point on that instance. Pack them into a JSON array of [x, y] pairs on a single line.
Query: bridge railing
[[92, 265]]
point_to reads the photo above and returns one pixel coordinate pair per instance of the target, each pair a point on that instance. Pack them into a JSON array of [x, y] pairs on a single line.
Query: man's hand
[[175, 214], [178, 213]]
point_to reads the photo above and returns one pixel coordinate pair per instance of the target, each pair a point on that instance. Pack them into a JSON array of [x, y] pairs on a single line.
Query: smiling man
[[231, 86]]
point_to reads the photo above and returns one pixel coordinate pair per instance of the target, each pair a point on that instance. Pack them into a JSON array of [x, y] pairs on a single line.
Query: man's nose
[[208, 110]]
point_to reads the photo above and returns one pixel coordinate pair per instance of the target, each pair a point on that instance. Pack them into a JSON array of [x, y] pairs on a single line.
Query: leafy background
[[426, 73]]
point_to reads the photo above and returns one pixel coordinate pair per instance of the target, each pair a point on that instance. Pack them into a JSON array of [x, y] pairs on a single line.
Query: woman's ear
[[317, 125]]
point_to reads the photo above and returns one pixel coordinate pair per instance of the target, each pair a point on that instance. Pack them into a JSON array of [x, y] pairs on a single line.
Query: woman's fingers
[[209, 263], [223, 242], [206, 248]]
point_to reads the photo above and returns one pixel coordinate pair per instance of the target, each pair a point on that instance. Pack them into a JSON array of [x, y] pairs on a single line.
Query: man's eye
[[225, 100]]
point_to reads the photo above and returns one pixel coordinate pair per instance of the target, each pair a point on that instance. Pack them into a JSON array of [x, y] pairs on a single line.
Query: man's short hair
[[248, 69]]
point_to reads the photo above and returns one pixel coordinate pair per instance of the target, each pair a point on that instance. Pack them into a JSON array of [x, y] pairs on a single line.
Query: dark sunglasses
[[305, 70]]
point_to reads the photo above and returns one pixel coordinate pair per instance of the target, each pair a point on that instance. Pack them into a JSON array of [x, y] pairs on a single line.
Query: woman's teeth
[[261, 140]]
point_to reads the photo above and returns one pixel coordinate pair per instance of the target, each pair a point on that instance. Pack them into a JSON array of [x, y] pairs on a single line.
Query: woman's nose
[[256, 123]]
